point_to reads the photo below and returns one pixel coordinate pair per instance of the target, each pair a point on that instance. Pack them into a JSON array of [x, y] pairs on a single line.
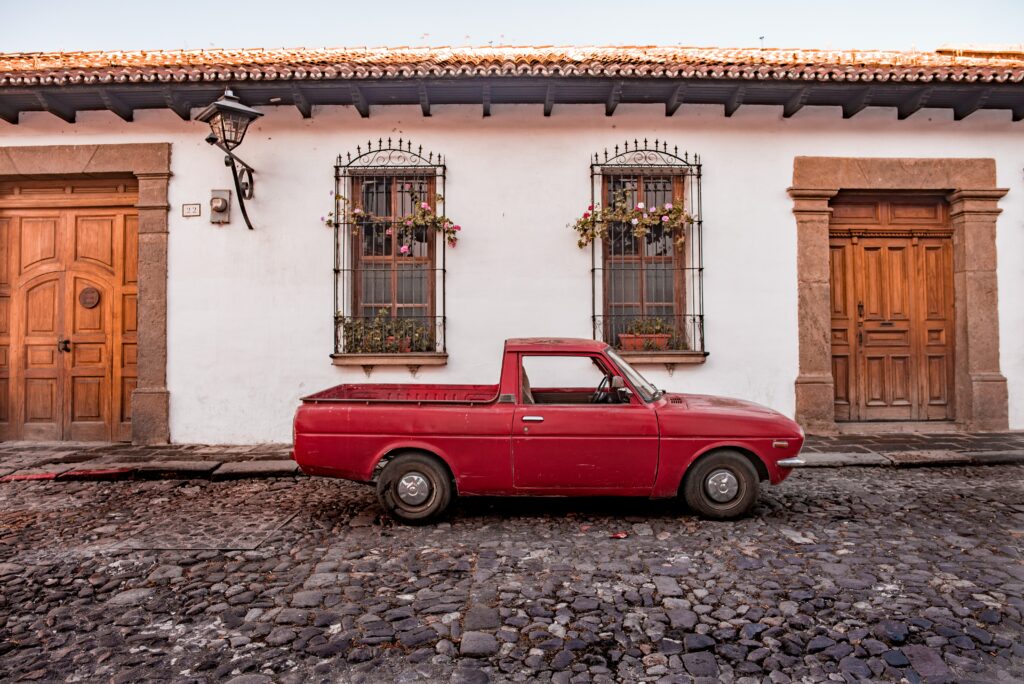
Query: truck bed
[[406, 393]]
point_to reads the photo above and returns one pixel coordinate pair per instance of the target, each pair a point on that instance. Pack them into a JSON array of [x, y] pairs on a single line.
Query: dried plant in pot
[[385, 334], [646, 334]]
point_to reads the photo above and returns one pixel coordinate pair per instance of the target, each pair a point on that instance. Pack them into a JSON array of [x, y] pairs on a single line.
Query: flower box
[[644, 342]]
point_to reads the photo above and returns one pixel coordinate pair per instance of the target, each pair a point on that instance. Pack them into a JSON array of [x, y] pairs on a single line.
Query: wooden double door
[[891, 278], [68, 310]]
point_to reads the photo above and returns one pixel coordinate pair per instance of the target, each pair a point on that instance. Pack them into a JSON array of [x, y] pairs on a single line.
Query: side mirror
[[618, 383]]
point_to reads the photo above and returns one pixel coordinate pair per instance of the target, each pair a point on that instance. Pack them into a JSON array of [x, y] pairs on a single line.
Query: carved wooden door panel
[[892, 310], [68, 291], [886, 366]]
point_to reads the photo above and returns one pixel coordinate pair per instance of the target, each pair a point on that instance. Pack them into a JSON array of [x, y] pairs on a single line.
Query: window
[[389, 276], [577, 380], [648, 288]]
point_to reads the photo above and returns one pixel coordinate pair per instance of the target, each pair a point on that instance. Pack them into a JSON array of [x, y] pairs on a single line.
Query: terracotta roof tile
[[84, 68]]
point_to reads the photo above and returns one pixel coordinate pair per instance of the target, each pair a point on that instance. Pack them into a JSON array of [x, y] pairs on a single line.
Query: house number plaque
[[89, 297]]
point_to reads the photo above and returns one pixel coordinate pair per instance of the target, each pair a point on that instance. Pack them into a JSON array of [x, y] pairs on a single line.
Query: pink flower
[[639, 205], [635, 221], [451, 243], [408, 187], [388, 231], [456, 227], [586, 214], [590, 207], [424, 205], [664, 219], [322, 218], [668, 206], [408, 223], [404, 249], [357, 210]]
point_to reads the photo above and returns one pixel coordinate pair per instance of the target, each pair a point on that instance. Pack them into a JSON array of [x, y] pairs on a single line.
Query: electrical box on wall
[[220, 206]]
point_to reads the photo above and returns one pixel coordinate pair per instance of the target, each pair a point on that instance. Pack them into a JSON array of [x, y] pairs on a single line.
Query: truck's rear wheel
[[414, 488], [721, 485]]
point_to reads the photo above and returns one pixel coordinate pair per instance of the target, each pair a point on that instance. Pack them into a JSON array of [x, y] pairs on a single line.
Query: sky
[[54, 25]]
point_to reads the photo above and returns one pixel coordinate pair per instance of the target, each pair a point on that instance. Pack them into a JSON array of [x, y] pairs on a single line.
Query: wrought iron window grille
[[389, 279], [647, 291]]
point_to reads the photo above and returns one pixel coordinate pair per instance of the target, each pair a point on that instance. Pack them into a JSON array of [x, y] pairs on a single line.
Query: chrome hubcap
[[413, 488], [722, 486]]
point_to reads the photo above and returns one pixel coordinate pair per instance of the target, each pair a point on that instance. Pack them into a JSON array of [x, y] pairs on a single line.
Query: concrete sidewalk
[[90, 461]]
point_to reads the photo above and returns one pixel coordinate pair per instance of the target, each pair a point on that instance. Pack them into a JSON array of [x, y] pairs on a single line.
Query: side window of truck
[[560, 379]]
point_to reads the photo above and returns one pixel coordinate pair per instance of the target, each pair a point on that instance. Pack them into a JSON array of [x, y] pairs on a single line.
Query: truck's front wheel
[[414, 488], [721, 485]]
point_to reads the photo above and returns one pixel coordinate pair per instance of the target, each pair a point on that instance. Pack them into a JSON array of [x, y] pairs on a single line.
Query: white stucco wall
[[250, 312]]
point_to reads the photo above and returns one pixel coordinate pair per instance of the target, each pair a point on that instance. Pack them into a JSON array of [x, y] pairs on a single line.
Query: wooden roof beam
[[55, 106], [858, 102], [735, 100], [359, 101], [796, 102], [301, 102], [485, 99], [614, 97], [117, 105], [177, 105], [963, 110], [913, 103], [549, 100], [675, 99], [424, 100]]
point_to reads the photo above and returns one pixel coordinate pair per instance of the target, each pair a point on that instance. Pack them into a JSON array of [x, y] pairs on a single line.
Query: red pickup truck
[[568, 417]]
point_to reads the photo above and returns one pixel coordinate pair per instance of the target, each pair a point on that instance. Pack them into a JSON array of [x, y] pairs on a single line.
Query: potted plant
[[646, 334]]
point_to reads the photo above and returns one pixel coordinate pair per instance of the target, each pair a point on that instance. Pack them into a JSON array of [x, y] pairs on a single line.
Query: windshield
[[648, 392]]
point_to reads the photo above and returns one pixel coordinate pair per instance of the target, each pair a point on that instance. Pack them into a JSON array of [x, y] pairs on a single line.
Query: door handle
[[533, 419], [63, 345]]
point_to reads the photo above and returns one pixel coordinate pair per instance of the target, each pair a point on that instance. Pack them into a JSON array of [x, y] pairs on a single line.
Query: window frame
[[678, 257], [359, 258]]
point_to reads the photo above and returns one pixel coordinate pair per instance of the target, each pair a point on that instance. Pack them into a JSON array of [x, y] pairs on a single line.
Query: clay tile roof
[[85, 68]]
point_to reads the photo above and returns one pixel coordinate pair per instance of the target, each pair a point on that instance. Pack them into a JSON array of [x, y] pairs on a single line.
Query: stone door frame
[[151, 165], [980, 392]]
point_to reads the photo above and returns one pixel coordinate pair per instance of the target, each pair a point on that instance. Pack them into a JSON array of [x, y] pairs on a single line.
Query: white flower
[[635, 221], [639, 205]]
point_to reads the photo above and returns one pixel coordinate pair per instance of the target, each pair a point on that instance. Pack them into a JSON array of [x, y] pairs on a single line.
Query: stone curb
[[911, 459], [157, 470], [238, 470]]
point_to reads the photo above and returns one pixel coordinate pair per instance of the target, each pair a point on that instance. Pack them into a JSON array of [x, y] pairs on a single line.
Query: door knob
[[63, 345]]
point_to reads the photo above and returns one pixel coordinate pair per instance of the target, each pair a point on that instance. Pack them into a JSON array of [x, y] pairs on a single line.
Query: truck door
[[568, 437]]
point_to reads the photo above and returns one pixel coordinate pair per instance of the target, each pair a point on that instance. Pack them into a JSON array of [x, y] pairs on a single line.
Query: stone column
[[815, 387], [151, 400], [980, 388]]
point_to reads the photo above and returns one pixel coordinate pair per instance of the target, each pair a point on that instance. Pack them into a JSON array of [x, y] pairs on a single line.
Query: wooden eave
[[550, 92]]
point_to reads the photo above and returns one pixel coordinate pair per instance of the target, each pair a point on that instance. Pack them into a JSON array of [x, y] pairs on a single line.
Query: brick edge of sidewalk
[[173, 469], [156, 470]]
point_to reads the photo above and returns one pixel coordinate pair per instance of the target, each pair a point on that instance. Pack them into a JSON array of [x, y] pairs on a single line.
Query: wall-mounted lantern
[[229, 119]]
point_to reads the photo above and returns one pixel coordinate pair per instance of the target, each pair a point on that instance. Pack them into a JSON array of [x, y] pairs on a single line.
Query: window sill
[[407, 359], [639, 358]]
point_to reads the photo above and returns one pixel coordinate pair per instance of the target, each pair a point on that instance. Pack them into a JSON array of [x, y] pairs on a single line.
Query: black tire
[[406, 473], [721, 465]]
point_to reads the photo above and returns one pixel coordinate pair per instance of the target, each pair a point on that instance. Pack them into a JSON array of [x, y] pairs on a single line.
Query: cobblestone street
[[841, 574]]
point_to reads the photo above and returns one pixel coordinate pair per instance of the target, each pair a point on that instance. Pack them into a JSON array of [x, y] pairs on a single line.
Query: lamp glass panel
[[215, 125], [234, 128]]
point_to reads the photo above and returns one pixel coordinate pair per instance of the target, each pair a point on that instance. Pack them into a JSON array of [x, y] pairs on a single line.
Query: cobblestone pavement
[[858, 573]]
